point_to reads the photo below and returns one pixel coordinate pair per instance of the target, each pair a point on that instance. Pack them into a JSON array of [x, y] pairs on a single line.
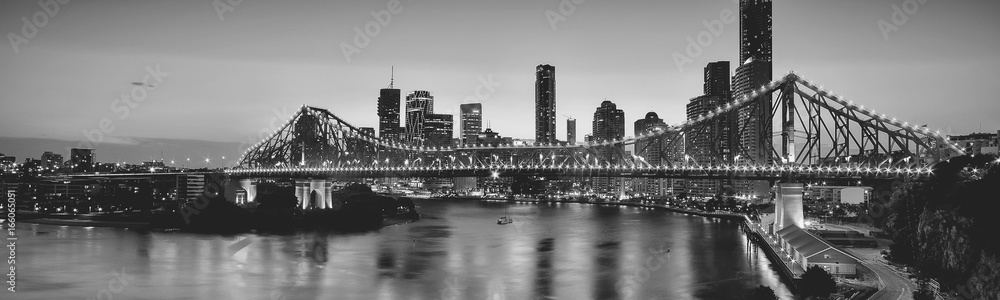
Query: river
[[457, 251]]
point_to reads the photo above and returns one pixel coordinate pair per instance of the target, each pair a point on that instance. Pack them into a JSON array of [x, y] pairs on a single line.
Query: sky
[[227, 70]]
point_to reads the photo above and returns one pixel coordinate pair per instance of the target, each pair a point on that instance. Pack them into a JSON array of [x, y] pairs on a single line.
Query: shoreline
[[718, 215], [87, 223]]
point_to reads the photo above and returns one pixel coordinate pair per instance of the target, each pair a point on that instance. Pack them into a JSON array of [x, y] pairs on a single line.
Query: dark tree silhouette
[[763, 292], [817, 282], [923, 291], [271, 197]]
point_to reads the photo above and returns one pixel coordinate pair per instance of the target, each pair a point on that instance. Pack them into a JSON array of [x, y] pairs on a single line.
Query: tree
[[763, 292], [817, 282], [271, 197], [923, 291]]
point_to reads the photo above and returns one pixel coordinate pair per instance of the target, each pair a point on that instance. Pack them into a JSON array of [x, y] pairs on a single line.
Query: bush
[[923, 291], [763, 292], [817, 282], [218, 216]]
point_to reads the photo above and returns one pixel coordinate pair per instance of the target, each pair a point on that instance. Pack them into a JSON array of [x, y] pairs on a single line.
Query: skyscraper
[[609, 124], [717, 79], [418, 105], [752, 131], [754, 123], [705, 147], [438, 130], [717, 85], [388, 113], [755, 30], [545, 104], [650, 151], [472, 121], [571, 131]]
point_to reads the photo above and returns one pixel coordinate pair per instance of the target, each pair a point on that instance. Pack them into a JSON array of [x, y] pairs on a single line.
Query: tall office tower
[[753, 128], [83, 160], [472, 121], [545, 104], [717, 85], [717, 79], [51, 161], [388, 113], [650, 150], [754, 120], [571, 131], [418, 105], [609, 124], [705, 147], [438, 130], [673, 153], [755, 30], [648, 147]]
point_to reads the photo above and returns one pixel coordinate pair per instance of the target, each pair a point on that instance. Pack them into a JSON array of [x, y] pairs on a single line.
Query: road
[[894, 286]]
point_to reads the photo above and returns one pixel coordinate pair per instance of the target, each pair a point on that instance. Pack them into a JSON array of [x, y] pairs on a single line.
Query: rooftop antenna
[[392, 76]]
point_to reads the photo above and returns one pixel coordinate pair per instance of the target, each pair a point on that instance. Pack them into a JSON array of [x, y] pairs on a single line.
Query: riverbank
[[720, 215], [88, 223], [755, 232]]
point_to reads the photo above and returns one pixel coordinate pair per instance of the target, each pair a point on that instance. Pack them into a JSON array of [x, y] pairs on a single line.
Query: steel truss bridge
[[819, 135]]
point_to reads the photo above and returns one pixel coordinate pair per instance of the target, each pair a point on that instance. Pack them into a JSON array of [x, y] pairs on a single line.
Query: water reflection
[[557, 251], [543, 268]]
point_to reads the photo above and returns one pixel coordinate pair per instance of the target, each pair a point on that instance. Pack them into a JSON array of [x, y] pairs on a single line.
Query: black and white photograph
[[514, 149]]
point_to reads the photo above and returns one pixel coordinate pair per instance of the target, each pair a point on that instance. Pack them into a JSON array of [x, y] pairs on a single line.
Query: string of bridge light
[[736, 169], [273, 133], [880, 117]]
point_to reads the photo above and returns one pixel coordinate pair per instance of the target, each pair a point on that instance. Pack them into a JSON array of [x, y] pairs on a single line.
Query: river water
[[551, 251]]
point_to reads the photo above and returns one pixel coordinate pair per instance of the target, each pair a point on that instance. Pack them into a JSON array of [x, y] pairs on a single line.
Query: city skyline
[[816, 174], [636, 88]]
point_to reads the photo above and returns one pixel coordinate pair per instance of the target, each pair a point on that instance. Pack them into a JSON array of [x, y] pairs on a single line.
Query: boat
[[505, 219]]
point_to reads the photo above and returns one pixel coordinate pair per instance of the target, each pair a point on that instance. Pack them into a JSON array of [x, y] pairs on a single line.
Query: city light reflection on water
[[551, 251]]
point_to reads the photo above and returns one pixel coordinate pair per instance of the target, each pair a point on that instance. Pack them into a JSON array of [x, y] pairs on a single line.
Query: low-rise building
[[837, 194], [808, 250], [978, 143]]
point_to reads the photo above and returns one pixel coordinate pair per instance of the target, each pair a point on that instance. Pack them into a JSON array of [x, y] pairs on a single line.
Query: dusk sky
[[231, 77]]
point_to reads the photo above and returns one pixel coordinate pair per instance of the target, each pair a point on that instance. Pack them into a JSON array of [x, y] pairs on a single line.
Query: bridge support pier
[[250, 187], [788, 206], [317, 193]]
